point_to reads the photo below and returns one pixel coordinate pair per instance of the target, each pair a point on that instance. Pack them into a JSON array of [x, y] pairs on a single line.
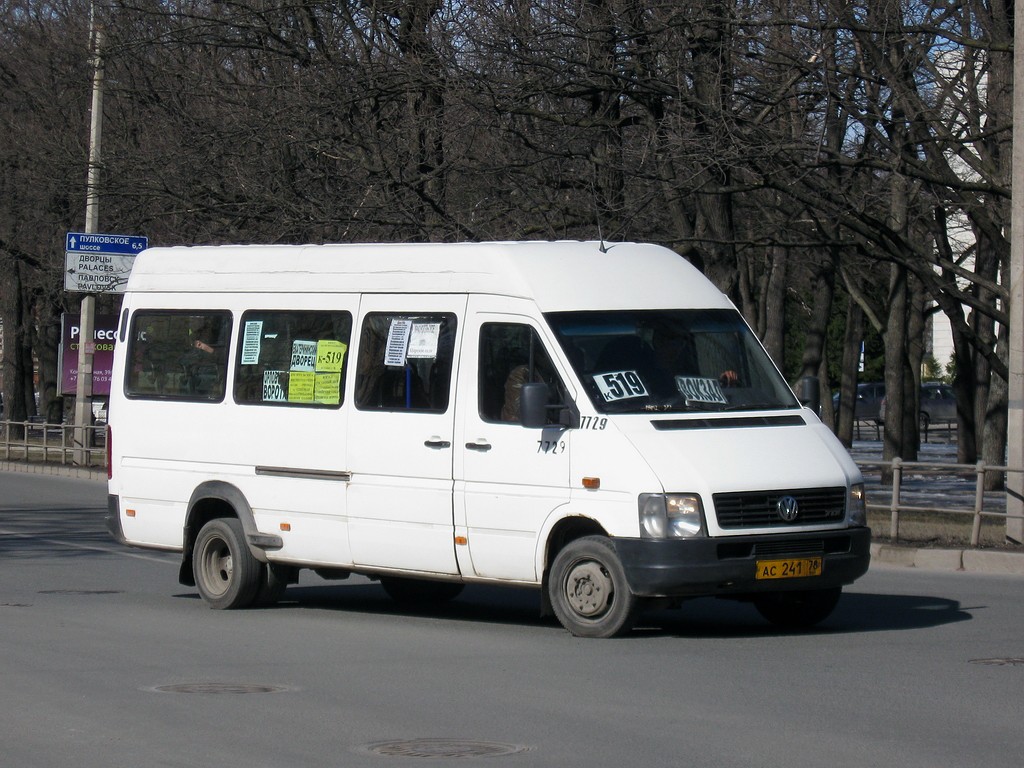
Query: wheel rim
[[217, 566], [588, 589]]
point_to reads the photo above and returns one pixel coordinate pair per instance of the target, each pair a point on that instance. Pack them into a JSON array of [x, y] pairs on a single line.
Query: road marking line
[[91, 548]]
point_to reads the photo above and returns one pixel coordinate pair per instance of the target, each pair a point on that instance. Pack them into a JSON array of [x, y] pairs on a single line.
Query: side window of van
[[292, 358], [405, 362], [512, 354], [178, 355]]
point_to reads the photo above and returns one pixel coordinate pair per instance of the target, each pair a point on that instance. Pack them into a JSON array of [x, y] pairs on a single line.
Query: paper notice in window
[[251, 342], [700, 390], [423, 340], [330, 355], [328, 388], [303, 355], [273, 392], [398, 342], [301, 386]]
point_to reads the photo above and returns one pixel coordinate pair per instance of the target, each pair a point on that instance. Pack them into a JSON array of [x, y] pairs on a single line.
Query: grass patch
[[940, 530]]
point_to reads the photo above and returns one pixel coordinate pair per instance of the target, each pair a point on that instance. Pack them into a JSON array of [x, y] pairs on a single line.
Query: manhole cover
[[1013, 661], [219, 688], [442, 748]]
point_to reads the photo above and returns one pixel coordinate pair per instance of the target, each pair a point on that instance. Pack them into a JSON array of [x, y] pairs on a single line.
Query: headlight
[[671, 516], [856, 505]]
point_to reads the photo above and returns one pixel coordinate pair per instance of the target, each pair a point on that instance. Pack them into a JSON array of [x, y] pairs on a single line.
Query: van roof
[[557, 275]]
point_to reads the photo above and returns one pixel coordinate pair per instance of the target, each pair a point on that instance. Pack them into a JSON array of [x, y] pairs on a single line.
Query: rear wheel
[[588, 590], [226, 574], [798, 610]]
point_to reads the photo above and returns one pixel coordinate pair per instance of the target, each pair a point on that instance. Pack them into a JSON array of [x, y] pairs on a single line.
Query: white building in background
[[942, 340], [952, 72], [961, 241]]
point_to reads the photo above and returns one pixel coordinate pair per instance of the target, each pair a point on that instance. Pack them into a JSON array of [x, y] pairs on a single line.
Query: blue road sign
[[125, 245]]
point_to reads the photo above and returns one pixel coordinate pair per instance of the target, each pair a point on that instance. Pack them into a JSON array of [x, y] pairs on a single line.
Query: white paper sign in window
[[700, 390], [398, 341], [273, 389], [423, 340], [303, 355], [251, 342], [620, 385]]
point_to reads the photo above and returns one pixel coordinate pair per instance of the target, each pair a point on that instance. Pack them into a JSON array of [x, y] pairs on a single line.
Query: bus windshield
[[670, 360]]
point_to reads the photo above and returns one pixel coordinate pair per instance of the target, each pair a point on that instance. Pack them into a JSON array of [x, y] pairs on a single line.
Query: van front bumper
[[728, 565]]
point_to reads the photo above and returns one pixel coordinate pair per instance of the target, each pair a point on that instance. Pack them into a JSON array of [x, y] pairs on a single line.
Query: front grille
[[806, 548], [780, 545], [759, 509]]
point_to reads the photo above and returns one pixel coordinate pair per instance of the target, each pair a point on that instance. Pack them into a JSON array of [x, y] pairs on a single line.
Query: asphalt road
[[106, 661]]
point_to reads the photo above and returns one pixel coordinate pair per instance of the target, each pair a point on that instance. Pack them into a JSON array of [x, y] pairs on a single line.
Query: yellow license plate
[[796, 568]]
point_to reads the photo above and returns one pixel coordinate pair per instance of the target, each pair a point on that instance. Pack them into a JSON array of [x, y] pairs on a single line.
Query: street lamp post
[[86, 343], [1015, 423]]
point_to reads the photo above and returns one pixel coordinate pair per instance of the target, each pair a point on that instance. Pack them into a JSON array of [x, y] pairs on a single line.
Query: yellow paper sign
[[328, 388], [330, 355], [301, 385]]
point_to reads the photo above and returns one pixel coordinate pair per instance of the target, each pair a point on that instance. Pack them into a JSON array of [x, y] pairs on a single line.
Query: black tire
[[588, 590], [226, 574], [798, 610], [420, 591]]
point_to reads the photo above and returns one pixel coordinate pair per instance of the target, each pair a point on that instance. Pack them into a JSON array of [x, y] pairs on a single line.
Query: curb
[[58, 470], [967, 560]]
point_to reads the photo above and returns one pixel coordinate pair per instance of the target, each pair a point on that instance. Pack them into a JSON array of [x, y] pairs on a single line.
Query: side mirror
[[809, 394], [533, 405]]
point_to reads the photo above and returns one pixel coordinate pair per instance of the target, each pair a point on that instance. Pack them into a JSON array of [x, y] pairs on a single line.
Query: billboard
[[104, 334]]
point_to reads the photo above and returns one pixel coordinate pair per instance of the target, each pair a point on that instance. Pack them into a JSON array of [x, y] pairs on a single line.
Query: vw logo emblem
[[788, 508]]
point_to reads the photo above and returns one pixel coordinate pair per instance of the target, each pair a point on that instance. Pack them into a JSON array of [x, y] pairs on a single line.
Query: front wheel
[[798, 610], [227, 575], [588, 589]]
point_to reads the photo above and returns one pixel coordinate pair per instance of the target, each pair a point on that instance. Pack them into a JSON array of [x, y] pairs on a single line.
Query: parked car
[[938, 404], [869, 401]]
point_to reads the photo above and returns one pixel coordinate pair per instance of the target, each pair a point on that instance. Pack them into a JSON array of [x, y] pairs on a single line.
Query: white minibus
[[594, 420]]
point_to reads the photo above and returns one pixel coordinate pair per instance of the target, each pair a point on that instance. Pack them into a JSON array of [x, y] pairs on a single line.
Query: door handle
[[437, 442], [479, 445]]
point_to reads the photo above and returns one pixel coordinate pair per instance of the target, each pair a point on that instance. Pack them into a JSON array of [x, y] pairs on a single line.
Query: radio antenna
[[597, 213]]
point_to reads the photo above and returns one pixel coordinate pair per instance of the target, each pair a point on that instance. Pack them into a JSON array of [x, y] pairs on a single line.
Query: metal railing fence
[[34, 441], [37, 441], [977, 511]]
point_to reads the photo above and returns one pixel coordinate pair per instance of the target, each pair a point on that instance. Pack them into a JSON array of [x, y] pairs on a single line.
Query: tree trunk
[[11, 307], [46, 343], [775, 305], [894, 441], [817, 326], [993, 446], [852, 337]]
